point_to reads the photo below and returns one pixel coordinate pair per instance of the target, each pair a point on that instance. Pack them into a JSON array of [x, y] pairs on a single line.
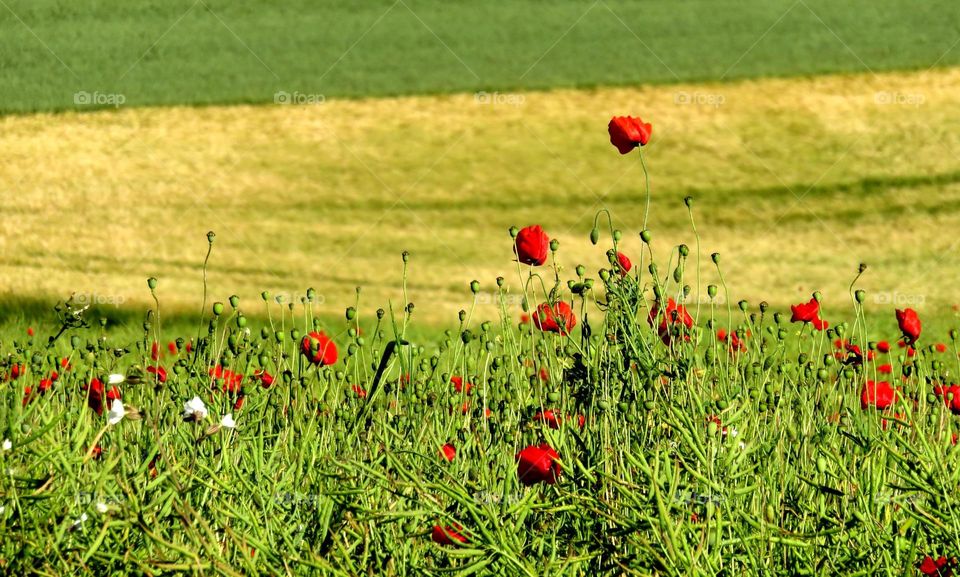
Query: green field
[[161, 52]]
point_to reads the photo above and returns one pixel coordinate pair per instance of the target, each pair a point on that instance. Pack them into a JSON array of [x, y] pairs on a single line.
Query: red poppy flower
[[319, 349], [544, 375], [266, 379], [96, 397], [159, 372], [28, 395], [532, 245], [877, 394], [940, 567], [856, 355], [941, 348], [627, 133], [460, 386], [673, 315], [45, 385], [808, 312], [524, 319], [448, 452], [238, 404], [538, 464], [549, 417], [950, 395], [155, 351], [30, 331], [449, 535], [734, 342], [625, 264], [172, 347], [887, 369], [557, 319], [65, 363], [909, 325], [97, 452], [359, 391], [16, 371], [883, 347]]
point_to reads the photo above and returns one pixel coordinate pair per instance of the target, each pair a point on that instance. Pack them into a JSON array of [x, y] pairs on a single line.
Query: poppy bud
[[677, 274], [380, 313], [595, 236], [278, 336], [588, 283], [311, 294], [234, 301], [265, 295], [686, 290], [553, 396], [684, 250], [147, 325], [514, 231], [604, 275], [152, 283], [554, 245], [581, 270], [295, 335], [210, 236], [75, 342], [103, 322], [351, 313], [500, 281], [475, 287], [688, 201], [405, 255], [860, 295], [817, 296], [645, 236], [782, 334], [840, 329], [863, 267], [241, 321], [217, 308], [653, 269], [617, 235], [953, 334], [712, 291], [466, 336], [743, 305], [715, 257], [657, 292], [462, 315]]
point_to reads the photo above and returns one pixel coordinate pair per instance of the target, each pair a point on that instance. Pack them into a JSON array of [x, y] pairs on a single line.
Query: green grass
[[797, 477], [220, 51]]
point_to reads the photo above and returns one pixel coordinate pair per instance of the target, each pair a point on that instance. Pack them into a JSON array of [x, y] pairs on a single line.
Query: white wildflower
[[228, 422], [7, 445], [80, 521], [116, 379], [195, 409], [102, 508], [116, 413]]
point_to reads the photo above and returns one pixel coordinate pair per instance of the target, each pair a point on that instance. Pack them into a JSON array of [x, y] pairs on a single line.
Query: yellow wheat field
[[795, 182]]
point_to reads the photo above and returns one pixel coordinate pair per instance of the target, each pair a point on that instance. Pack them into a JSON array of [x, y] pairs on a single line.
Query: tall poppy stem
[[646, 176]]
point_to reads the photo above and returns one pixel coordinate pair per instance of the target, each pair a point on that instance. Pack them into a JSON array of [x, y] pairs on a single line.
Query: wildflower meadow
[[631, 420]]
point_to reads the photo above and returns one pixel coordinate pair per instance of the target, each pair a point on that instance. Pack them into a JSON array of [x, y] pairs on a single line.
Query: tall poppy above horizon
[[556, 319], [672, 315], [319, 349], [532, 245], [909, 325], [538, 464], [808, 312], [628, 132]]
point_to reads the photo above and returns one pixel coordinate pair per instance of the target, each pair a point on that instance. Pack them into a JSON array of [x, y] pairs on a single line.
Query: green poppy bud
[[475, 287], [595, 236], [234, 301], [554, 245], [514, 231], [617, 235], [152, 283], [684, 250], [265, 295], [210, 236], [715, 257], [217, 308], [712, 291], [351, 313], [645, 236], [405, 255]]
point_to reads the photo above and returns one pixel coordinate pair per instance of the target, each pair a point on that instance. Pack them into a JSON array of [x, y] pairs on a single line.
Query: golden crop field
[[795, 182]]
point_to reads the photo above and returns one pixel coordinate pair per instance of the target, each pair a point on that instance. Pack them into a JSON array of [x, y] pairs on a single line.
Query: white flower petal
[[116, 379], [227, 421], [195, 408], [116, 413], [102, 507], [7, 445]]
